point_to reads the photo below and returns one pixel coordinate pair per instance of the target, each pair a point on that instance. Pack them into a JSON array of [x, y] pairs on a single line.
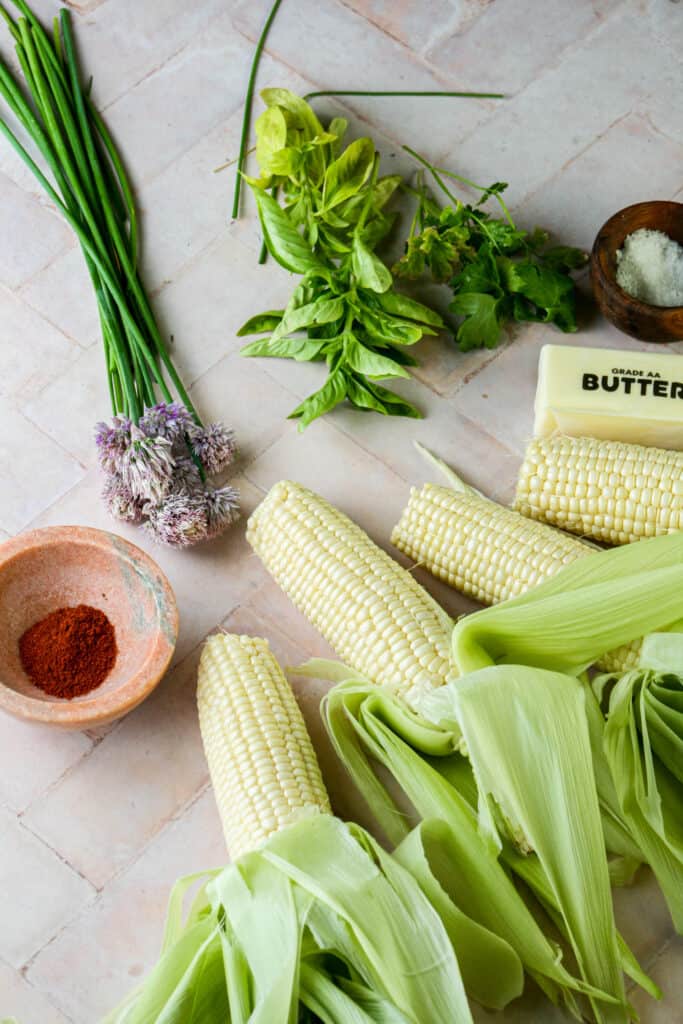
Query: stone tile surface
[[42, 232], [95, 827], [161, 731], [35, 471], [24, 1002], [33, 758], [40, 892]]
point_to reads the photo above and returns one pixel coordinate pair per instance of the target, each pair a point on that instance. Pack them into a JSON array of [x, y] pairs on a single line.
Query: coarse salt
[[650, 268]]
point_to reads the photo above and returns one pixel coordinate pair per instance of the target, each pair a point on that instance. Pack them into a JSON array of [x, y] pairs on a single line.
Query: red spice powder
[[70, 651]]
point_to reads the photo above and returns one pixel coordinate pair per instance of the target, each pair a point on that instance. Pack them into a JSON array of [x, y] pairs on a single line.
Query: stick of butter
[[635, 397]]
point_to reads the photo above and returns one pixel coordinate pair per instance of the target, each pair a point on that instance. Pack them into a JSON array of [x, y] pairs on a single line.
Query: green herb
[[345, 310], [498, 272], [156, 455], [246, 117]]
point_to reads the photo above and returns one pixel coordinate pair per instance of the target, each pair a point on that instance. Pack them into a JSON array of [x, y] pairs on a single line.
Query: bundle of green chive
[[155, 453]]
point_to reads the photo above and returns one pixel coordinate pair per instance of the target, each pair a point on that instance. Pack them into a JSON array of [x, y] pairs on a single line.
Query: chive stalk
[[156, 455]]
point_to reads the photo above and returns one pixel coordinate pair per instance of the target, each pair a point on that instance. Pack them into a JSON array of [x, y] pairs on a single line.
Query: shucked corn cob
[[614, 492], [263, 767], [487, 551], [377, 618]]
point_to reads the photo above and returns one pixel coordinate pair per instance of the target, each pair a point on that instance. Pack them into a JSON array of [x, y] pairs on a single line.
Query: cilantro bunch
[[345, 310], [498, 272]]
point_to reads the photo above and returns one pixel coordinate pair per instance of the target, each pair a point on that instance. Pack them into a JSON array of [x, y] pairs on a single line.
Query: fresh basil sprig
[[345, 310], [498, 272]]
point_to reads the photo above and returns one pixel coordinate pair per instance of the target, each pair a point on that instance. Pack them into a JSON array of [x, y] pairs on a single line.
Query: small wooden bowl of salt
[[637, 270]]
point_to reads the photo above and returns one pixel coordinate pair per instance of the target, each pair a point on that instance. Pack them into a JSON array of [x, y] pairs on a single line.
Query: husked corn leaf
[[482, 955], [528, 743], [321, 919], [393, 932], [345, 1001], [643, 743], [591, 606], [367, 725]]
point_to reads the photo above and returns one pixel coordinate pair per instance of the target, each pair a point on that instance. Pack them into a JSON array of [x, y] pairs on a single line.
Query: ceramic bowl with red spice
[[58, 569]]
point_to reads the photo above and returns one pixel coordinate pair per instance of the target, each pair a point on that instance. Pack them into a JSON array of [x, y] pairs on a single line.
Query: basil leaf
[[402, 305], [271, 136], [322, 311], [384, 190], [482, 325], [261, 323], [285, 162], [284, 242], [348, 173], [389, 330], [304, 117], [369, 363], [304, 350], [330, 394], [365, 395], [337, 126], [400, 355], [369, 270], [378, 228]]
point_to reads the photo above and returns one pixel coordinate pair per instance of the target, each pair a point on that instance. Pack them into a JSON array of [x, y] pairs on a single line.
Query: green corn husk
[[320, 918], [591, 606], [529, 746], [565, 624], [368, 725], [643, 744]]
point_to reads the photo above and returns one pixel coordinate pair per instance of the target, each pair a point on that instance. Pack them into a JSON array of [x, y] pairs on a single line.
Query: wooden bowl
[[60, 566], [639, 319]]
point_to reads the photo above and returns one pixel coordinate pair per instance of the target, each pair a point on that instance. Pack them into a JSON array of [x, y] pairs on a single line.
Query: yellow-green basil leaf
[[384, 190], [368, 269], [321, 311], [302, 113], [348, 173], [271, 136]]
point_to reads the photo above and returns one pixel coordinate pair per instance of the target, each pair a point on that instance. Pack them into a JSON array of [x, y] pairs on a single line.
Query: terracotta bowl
[[60, 566], [639, 319]]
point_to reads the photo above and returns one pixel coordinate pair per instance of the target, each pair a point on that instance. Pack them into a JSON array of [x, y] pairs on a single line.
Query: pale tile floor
[[95, 827]]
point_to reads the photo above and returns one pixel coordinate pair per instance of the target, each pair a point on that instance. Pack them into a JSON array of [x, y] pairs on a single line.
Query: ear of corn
[[608, 490], [488, 552], [377, 618], [263, 767]]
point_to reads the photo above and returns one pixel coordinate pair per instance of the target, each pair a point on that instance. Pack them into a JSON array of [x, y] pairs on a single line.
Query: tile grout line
[[20, 973]]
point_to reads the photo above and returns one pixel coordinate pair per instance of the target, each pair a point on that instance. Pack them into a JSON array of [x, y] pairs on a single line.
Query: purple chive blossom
[[179, 520], [112, 440], [151, 477], [186, 475], [215, 446], [147, 466], [222, 509], [120, 502], [168, 419]]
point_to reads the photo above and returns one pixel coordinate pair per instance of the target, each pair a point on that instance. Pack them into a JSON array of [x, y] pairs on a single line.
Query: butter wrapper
[[636, 397]]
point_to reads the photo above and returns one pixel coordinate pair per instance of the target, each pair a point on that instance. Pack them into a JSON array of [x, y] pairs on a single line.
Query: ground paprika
[[70, 651]]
